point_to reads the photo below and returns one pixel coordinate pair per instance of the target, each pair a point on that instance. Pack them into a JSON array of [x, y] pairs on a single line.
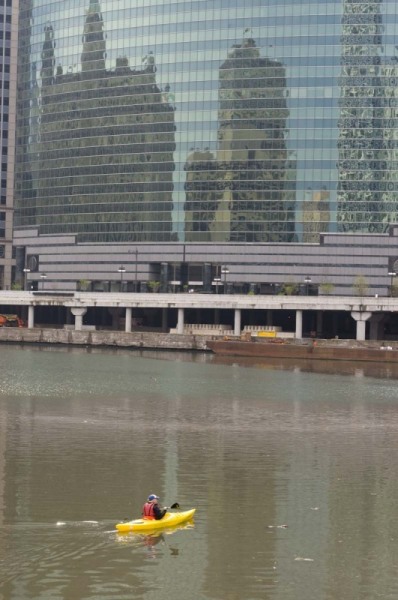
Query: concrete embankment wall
[[114, 339]]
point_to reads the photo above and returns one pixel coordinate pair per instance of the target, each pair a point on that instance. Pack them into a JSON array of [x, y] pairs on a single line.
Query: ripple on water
[[75, 552]]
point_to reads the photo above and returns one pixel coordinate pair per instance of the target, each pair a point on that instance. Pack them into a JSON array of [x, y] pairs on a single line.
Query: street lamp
[[217, 281], [121, 270], [392, 274], [225, 271], [25, 272], [43, 276], [307, 281]]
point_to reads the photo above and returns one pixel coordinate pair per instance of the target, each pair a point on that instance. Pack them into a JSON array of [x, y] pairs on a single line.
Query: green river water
[[291, 466]]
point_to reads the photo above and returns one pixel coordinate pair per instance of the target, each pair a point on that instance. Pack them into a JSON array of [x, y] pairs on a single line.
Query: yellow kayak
[[170, 519]]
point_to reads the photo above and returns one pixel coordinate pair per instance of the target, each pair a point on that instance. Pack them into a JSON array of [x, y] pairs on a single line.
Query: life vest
[[147, 511]]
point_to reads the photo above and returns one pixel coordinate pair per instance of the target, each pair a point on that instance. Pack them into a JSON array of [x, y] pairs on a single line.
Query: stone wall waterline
[[118, 339]]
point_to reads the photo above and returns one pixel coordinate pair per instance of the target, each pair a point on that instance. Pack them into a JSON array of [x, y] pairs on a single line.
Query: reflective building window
[[207, 121]]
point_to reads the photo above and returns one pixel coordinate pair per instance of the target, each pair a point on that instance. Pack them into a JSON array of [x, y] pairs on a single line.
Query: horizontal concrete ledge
[[114, 339], [83, 328]]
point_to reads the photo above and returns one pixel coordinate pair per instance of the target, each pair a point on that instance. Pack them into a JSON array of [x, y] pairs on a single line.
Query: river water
[[292, 469]]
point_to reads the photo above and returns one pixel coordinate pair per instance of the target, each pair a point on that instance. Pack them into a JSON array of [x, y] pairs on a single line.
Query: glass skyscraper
[[218, 121], [8, 58]]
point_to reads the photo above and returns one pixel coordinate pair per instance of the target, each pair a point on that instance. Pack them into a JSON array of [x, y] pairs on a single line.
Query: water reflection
[[353, 368], [150, 540], [292, 474]]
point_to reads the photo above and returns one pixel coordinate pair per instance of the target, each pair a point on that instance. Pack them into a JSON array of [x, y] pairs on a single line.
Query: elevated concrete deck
[[228, 301]]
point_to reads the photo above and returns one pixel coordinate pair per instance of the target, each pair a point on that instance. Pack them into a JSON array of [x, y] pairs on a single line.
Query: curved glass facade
[[207, 120]]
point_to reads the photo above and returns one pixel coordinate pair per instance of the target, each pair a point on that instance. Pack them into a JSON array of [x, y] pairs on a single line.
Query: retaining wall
[[114, 339]]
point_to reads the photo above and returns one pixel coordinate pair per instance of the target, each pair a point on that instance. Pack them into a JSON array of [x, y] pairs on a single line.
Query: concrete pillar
[[31, 316], [361, 318], [237, 321], [180, 322], [270, 315], [164, 319], [78, 313], [299, 324], [216, 316], [129, 312], [361, 330]]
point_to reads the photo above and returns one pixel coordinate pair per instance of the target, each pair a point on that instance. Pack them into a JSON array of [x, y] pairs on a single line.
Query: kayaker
[[151, 508]]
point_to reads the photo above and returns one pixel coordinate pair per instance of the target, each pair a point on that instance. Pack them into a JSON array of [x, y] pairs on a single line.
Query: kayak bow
[[170, 519]]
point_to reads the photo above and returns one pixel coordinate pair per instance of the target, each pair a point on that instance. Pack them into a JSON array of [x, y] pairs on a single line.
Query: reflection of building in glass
[[104, 162], [316, 215], [390, 138], [252, 149], [241, 196], [202, 194], [361, 156], [93, 55]]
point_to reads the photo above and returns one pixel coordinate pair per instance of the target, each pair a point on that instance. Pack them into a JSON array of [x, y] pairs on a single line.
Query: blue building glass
[[207, 120]]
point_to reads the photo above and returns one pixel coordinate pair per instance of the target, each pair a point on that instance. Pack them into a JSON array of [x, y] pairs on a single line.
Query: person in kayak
[[152, 510]]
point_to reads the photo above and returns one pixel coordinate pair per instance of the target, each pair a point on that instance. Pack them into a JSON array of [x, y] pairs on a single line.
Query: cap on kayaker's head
[[152, 497]]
